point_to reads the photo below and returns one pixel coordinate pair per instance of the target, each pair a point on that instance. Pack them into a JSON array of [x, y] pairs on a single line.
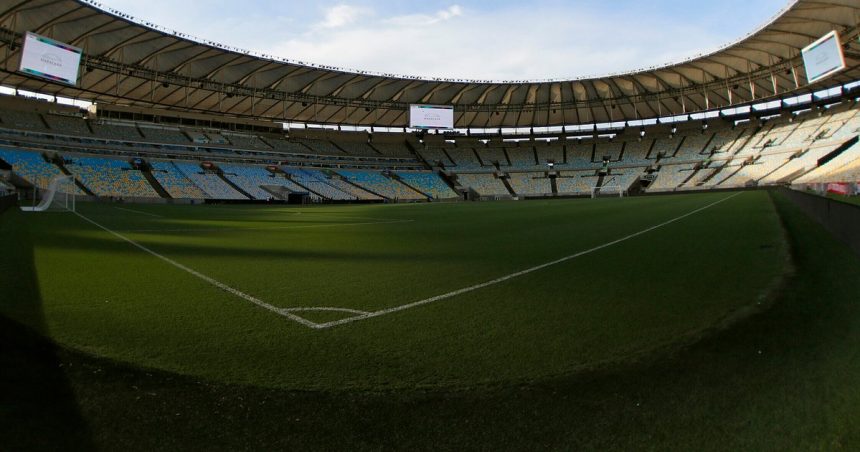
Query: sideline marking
[[209, 280], [512, 275], [138, 211]]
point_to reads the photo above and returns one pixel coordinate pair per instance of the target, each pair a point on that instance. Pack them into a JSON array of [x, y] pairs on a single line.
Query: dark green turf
[[105, 297], [784, 379]]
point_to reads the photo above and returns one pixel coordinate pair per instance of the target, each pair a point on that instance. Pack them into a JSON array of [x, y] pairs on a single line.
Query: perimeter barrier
[[840, 218]]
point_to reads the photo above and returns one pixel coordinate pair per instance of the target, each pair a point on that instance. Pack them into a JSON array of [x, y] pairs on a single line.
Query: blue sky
[[501, 39]]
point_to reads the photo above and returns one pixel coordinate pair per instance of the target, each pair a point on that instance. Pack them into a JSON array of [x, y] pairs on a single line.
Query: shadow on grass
[[786, 379], [38, 409]]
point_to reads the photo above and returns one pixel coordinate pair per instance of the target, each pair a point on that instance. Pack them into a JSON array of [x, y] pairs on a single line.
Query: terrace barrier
[[839, 218]]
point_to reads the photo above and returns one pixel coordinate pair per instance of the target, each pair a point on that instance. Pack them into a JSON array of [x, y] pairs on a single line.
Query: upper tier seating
[[22, 120], [357, 148], [491, 156], [524, 158], [434, 156], [247, 141], [465, 158], [110, 177], [323, 147], [118, 132], [290, 147], [393, 150], [549, 153], [579, 156], [164, 135], [68, 125], [608, 149]]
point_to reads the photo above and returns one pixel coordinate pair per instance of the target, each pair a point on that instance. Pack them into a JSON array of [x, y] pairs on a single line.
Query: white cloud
[[341, 15], [511, 41]]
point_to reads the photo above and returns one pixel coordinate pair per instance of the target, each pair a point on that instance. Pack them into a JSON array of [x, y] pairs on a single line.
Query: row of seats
[[251, 179], [33, 167], [428, 183], [175, 182], [210, 183], [530, 184], [483, 184], [317, 182], [378, 183], [109, 177]]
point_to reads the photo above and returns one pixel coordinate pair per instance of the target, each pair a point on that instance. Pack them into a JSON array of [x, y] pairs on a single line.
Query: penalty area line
[[280, 311], [502, 279]]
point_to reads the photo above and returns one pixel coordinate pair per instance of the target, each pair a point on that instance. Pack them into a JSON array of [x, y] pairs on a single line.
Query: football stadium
[[209, 248]]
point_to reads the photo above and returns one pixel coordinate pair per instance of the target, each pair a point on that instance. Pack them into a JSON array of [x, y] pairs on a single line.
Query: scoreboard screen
[[823, 57], [48, 59]]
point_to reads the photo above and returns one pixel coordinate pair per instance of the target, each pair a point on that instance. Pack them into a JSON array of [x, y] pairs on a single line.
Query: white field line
[[268, 228], [209, 280], [514, 275], [326, 308], [138, 211]]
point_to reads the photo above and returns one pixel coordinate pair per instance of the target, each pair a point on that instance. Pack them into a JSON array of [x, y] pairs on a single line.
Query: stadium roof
[[133, 63]]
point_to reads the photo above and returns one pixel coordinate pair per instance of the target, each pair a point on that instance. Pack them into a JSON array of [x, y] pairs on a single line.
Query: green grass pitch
[[731, 324], [104, 296]]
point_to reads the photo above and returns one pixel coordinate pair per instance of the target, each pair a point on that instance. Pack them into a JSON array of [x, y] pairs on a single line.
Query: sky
[[480, 39]]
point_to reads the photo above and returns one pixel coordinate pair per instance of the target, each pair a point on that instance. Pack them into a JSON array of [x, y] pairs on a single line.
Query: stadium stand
[[246, 141], [164, 135], [110, 177], [392, 149], [492, 156], [549, 153], [576, 182], [670, 177], [22, 120], [534, 184], [483, 184], [210, 183], [523, 158], [251, 179], [465, 158], [118, 132], [435, 156], [322, 185], [381, 184], [323, 147], [68, 125], [428, 183], [32, 167], [175, 182]]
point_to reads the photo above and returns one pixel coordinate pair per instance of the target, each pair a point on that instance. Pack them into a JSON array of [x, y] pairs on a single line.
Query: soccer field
[[377, 296]]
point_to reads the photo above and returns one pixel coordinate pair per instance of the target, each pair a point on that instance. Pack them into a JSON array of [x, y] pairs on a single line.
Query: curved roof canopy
[[131, 63]]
